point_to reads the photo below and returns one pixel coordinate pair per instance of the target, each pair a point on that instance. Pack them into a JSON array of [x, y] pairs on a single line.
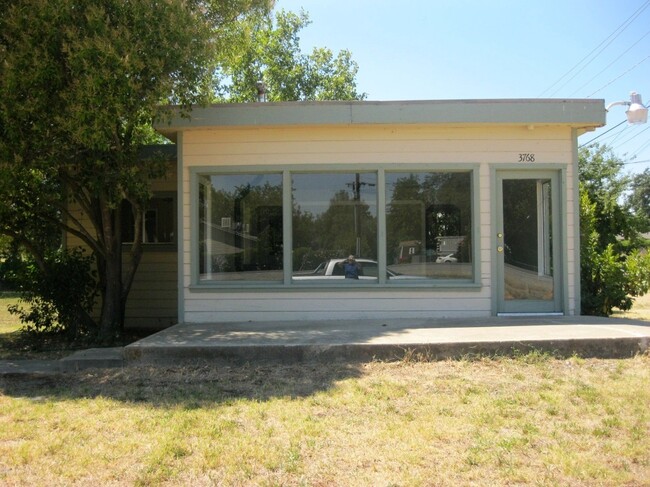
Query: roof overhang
[[582, 114]]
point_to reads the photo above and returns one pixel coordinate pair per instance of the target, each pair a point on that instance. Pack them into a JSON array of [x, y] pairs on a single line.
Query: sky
[[479, 49]]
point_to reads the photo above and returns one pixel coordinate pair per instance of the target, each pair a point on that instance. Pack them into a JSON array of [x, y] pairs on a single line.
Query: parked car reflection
[[333, 269], [446, 259]]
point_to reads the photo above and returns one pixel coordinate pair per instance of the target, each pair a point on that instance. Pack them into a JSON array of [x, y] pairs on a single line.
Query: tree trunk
[[111, 319], [115, 280], [112, 312]]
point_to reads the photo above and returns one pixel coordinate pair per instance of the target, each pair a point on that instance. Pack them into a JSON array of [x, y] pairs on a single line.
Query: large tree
[[266, 48], [80, 83]]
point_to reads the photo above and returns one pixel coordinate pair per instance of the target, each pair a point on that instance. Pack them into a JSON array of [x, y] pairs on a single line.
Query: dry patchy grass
[[640, 310], [532, 420], [8, 322]]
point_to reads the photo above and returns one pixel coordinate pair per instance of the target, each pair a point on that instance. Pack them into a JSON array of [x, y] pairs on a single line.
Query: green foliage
[[266, 48], [602, 179], [59, 293], [612, 272], [81, 82], [639, 199]]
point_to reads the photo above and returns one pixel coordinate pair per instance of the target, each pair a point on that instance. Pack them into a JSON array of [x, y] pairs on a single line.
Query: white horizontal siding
[[377, 145], [304, 315], [153, 300], [393, 147], [244, 307]]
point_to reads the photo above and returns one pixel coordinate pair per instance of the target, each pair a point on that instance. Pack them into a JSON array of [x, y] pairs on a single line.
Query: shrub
[[609, 278], [59, 293]]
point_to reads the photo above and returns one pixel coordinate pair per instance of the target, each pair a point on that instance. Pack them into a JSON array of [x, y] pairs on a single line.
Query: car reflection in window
[[332, 269]]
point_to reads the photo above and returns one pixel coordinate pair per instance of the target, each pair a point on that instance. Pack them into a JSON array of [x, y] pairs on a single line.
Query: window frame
[[160, 246], [195, 229], [473, 184], [195, 173]]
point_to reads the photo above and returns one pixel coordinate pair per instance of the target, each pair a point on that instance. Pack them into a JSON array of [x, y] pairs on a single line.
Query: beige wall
[[153, 301], [487, 147]]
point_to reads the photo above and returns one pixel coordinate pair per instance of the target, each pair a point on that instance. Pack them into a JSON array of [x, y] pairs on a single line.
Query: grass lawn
[[11, 344], [529, 420], [640, 310], [8, 322], [533, 420]]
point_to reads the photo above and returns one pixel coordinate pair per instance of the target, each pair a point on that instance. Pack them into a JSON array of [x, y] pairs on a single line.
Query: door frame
[[557, 175]]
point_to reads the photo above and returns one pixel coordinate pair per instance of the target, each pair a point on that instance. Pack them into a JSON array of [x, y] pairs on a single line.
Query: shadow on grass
[[21, 344], [15, 345], [186, 387]]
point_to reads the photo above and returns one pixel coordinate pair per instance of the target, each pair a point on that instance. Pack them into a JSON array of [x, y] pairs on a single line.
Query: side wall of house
[[486, 148], [153, 300]]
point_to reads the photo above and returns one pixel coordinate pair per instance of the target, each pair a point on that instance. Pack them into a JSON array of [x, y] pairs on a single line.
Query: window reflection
[[334, 216], [428, 225], [158, 222], [240, 227], [527, 226]]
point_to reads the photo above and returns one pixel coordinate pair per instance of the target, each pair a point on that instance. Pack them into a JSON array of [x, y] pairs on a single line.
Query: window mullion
[[381, 226], [287, 227]]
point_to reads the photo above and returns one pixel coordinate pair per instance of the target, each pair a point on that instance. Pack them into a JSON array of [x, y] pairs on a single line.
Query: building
[[454, 208]]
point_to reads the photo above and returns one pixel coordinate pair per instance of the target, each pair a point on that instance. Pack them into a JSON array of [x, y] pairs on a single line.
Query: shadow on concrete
[[361, 341]]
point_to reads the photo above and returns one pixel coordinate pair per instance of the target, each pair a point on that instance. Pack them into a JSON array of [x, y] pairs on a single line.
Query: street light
[[636, 113]]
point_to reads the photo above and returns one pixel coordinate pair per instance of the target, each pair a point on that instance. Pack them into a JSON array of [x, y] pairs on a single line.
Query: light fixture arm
[[637, 112], [616, 103]]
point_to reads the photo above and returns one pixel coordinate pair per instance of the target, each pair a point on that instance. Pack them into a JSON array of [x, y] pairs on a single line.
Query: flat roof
[[579, 113]]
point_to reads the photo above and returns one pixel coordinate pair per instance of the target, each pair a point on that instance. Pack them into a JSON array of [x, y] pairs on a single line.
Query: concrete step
[[389, 340], [93, 358]]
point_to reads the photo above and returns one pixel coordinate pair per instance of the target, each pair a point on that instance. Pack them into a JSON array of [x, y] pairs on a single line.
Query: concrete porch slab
[[393, 339], [100, 358]]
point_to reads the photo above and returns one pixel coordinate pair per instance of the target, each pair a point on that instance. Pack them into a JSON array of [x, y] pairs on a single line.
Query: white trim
[[530, 314], [583, 114]]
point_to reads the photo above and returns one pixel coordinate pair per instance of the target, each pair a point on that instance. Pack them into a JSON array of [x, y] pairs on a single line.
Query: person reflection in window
[[351, 267]]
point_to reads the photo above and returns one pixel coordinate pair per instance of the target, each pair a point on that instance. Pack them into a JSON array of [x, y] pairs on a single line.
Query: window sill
[[445, 286]]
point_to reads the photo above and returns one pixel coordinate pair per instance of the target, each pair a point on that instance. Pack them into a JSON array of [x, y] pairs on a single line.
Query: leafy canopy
[[81, 82], [639, 199], [267, 48], [613, 270]]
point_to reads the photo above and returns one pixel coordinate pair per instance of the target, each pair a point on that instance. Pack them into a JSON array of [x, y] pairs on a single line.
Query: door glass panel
[[528, 240]]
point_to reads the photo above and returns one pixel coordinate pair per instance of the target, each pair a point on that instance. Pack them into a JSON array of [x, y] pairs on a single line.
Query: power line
[[599, 136], [620, 76], [641, 148], [617, 135], [597, 50], [610, 64], [633, 136]]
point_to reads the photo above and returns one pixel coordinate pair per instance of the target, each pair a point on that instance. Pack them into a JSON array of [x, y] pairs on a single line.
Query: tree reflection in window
[[240, 227], [429, 224], [334, 215]]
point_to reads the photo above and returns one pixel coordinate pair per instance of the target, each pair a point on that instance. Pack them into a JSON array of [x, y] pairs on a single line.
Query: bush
[[59, 294], [610, 278]]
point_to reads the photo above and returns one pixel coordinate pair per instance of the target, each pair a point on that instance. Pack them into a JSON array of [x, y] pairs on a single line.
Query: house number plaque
[[526, 157]]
